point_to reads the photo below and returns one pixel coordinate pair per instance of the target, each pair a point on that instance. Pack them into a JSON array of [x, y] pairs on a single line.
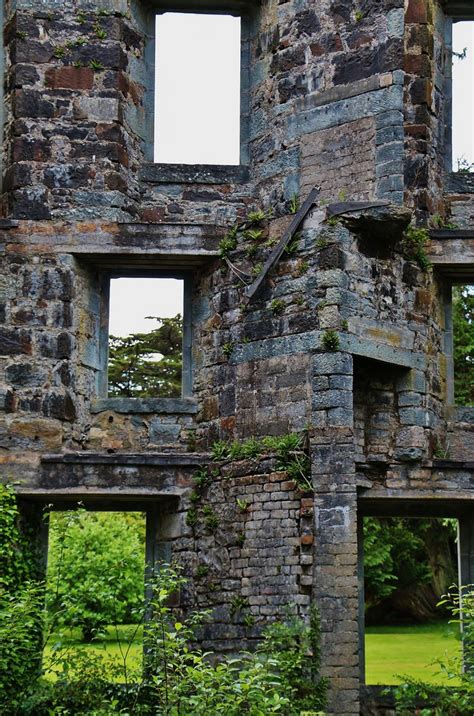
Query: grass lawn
[[113, 645], [411, 650], [389, 650]]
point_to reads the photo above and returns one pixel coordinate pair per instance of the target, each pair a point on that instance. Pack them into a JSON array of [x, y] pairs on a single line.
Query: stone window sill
[[152, 173], [130, 406]]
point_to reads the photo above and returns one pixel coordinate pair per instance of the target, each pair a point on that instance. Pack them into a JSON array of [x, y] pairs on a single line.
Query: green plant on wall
[[289, 450], [414, 246], [330, 340]]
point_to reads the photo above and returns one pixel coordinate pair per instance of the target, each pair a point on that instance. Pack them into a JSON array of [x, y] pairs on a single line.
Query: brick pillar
[[335, 574]]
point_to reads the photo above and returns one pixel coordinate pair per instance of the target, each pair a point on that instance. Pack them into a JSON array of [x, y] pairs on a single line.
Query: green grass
[[113, 644], [410, 650], [389, 650]]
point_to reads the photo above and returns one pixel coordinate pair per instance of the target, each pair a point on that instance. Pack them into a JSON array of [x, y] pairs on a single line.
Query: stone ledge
[[193, 174], [452, 233], [166, 459], [8, 224], [158, 406], [108, 497]]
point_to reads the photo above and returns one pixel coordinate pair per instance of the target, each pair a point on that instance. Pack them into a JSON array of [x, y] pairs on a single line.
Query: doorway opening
[[409, 565], [95, 591]]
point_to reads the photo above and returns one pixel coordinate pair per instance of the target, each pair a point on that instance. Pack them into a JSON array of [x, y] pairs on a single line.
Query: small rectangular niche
[[145, 347], [463, 97], [197, 88], [463, 344]]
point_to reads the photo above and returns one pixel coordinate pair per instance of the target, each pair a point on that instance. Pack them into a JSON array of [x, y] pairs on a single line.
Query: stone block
[[98, 109], [74, 78], [15, 341]]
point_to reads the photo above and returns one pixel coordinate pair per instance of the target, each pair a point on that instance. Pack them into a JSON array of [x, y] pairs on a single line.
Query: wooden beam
[[274, 257]]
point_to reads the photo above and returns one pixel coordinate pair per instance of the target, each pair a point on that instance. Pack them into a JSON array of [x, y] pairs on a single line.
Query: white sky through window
[[463, 94], [132, 299], [197, 84]]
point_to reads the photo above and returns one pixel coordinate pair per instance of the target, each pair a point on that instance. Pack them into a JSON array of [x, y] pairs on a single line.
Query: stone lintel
[[311, 342], [157, 406], [94, 495], [385, 502], [154, 173], [382, 352], [159, 459]]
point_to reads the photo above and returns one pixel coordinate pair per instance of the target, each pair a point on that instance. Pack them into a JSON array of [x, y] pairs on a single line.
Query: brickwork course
[[347, 340]]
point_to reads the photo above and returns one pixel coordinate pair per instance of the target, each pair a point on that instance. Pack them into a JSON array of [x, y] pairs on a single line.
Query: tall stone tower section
[[326, 321]]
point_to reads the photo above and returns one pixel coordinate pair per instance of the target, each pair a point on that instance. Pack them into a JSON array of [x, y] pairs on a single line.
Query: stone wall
[[346, 339], [246, 539]]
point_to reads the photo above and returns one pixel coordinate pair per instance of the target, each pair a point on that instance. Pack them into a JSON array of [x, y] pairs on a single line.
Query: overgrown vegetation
[[107, 587], [282, 676], [414, 246], [289, 450], [409, 564]]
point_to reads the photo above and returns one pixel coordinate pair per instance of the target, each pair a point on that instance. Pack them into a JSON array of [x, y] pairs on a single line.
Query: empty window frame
[[463, 96], [197, 102], [462, 317], [146, 346]]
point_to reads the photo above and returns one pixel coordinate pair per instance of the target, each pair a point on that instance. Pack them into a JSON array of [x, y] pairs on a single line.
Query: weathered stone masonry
[[350, 96]]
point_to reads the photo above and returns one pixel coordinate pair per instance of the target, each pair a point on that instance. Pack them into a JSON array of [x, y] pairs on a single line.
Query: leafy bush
[[21, 628], [96, 569], [18, 558], [179, 680], [280, 677]]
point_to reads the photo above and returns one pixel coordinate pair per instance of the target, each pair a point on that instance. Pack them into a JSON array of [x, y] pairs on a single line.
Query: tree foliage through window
[[463, 331], [148, 365]]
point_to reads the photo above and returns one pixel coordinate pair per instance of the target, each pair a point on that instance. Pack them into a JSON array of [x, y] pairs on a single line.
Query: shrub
[[107, 586]]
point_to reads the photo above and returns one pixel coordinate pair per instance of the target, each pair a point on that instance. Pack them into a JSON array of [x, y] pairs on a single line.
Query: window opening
[[409, 564], [463, 97], [463, 344], [197, 88], [145, 337], [95, 590]]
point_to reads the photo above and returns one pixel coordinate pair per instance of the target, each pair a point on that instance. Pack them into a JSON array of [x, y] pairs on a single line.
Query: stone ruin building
[[346, 104]]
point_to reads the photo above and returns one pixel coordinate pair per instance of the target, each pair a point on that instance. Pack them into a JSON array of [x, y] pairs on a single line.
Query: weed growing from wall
[[414, 246]]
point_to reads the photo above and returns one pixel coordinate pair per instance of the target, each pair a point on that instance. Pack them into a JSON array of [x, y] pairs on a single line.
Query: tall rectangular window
[[145, 337], [463, 344], [463, 96], [197, 88]]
